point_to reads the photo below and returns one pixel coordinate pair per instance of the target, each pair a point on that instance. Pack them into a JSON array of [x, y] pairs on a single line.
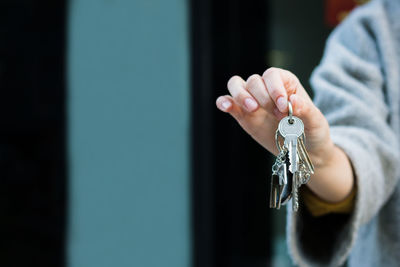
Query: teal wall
[[128, 82]]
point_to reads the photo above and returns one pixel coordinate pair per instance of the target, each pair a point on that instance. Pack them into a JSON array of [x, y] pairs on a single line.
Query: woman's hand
[[259, 103]]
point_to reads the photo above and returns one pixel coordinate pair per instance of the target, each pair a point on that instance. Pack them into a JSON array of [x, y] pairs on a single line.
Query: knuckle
[[253, 80], [270, 71], [240, 96], [264, 102], [290, 75], [233, 80], [274, 91]]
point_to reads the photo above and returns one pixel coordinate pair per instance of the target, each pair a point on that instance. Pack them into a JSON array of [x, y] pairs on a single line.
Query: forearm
[[333, 179]]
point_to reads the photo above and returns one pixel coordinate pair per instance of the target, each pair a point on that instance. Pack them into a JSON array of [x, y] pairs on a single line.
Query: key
[[283, 175], [278, 179], [282, 182], [291, 128], [305, 165], [295, 196], [293, 166], [286, 194], [304, 174], [304, 155], [273, 199], [275, 182]]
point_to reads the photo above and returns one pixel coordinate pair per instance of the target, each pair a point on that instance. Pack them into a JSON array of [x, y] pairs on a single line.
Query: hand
[[259, 103]]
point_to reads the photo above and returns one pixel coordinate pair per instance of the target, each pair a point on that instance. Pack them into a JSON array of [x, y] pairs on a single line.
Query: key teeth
[[290, 157], [292, 162], [295, 197], [295, 201], [295, 206]]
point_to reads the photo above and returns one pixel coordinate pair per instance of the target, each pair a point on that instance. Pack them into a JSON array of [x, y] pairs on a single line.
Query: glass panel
[[128, 128]]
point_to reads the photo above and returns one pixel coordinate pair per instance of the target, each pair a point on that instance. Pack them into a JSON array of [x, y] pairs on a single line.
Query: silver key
[[282, 183], [291, 128], [304, 155], [306, 168], [273, 198], [283, 175], [304, 173], [277, 178], [287, 189], [295, 195], [295, 166]]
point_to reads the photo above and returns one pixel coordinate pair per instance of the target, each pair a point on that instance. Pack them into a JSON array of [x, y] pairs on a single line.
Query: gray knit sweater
[[357, 87]]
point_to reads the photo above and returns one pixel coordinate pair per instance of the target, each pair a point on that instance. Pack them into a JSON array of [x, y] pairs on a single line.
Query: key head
[[287, 128]]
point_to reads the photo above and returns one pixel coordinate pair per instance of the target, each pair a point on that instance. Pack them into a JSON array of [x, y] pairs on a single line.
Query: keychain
[[292, 166]]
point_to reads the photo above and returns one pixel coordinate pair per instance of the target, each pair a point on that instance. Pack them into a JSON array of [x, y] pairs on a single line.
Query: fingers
[[227, 104], [271, 91], [256, 87], [242, 97], [280, 84]]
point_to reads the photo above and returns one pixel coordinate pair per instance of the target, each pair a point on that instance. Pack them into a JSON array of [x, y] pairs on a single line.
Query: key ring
[[290, 113]]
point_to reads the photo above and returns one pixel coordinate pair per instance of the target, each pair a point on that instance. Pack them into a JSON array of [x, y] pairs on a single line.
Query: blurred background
[[112, 152]]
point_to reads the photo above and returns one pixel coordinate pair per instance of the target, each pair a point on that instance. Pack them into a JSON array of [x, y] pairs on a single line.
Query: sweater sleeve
[[318, 207], [350, 90]]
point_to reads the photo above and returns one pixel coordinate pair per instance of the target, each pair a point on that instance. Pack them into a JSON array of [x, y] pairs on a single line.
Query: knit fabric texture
[[357, 88]]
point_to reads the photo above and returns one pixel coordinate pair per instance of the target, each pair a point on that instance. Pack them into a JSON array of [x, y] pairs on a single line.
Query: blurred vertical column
[[32, 133], [128, 133], [230, 170]]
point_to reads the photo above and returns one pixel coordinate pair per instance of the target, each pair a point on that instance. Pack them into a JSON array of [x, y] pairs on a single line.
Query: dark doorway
[[32, 145], [230, 171]]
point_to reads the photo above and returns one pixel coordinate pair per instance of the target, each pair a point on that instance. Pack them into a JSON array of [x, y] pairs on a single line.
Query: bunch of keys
[[292, 167]]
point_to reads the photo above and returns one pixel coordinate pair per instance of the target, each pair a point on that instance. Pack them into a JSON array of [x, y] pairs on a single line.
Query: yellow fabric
[[319, 207]]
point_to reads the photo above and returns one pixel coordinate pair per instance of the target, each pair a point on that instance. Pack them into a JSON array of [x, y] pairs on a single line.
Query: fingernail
[[226, 105], [250, 104], [281, 103]]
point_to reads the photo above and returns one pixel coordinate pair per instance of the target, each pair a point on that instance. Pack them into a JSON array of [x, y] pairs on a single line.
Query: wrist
[[324, 156], [333, 178]]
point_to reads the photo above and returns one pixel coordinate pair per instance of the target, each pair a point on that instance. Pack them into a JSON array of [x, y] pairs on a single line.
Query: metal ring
[[290, 113]]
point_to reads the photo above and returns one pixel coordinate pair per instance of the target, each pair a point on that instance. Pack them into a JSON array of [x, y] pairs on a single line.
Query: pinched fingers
[[242, 97], [280, 84], [271, 91], [227, 104], [256, 87]]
